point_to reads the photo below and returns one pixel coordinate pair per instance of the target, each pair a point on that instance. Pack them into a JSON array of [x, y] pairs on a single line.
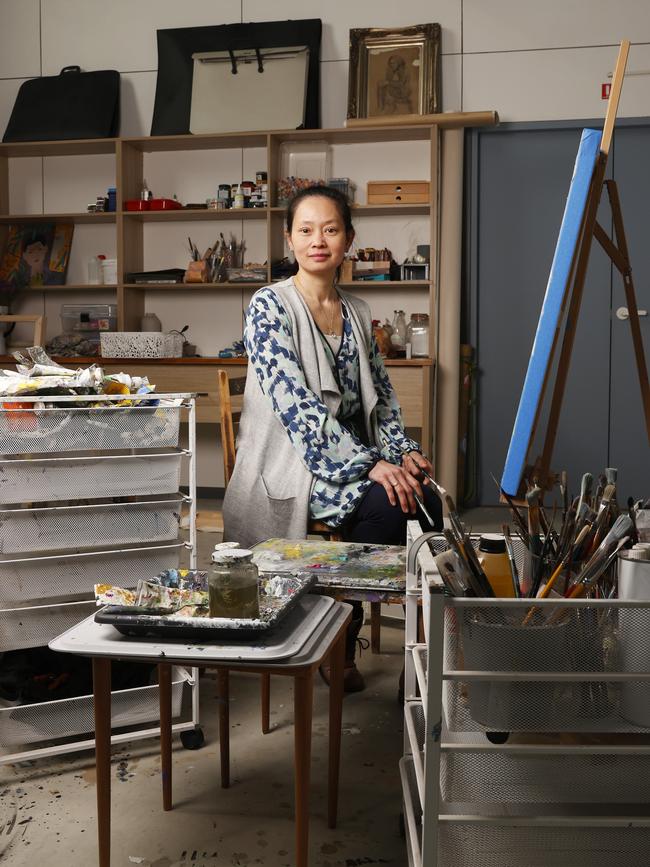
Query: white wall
[[526, 59]]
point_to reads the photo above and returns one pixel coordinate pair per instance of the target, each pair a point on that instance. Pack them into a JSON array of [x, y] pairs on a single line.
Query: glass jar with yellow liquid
[[493, 557], [233, 584]]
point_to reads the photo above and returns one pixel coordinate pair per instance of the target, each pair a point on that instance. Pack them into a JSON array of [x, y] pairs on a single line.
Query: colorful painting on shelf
[[36, 254]]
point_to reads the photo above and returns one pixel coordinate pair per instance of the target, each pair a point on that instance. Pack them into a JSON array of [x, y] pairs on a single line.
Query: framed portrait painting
[[394, 71]]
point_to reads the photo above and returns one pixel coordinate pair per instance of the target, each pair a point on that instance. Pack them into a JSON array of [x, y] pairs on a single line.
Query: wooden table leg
[[165, 696], [266, 703], [223, 691], [337, 666], [303, 700], [375, 626], [102, 703]]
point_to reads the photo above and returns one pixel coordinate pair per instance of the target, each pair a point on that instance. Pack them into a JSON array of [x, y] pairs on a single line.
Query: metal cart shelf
[[88, 495], [523, 748]]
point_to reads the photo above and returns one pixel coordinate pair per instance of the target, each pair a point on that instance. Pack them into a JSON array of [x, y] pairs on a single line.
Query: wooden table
[[103, 644]]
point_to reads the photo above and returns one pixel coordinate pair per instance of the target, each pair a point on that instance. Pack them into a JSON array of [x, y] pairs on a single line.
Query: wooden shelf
[[80, 217], [72, 287], [386, 284], [183, 214], [67, 148], [192, 287], [402, 210], [189, 362]]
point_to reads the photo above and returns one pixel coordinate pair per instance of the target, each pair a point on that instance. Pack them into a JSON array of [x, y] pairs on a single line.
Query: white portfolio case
[[223, 101]]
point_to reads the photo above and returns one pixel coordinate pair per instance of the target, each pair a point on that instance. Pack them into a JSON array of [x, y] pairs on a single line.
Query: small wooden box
[[398, 192]]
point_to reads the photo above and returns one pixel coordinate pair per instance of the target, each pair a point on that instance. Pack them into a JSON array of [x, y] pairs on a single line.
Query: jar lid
[[492, 543], [419, 317], [231, 555]]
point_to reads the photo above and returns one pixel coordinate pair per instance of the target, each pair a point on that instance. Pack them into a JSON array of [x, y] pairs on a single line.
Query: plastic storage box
[[88, 318]]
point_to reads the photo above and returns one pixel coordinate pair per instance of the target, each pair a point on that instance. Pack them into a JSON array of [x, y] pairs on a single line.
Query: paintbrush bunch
[[576, 558], [569, 551]]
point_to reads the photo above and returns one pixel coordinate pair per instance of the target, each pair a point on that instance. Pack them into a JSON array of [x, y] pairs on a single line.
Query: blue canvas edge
[[540, 356]]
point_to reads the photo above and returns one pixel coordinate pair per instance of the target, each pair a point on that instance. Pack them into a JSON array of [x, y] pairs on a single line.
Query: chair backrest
[[229, 387]]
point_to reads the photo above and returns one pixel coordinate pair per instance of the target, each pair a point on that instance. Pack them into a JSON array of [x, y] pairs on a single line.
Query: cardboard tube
[[448, 326]]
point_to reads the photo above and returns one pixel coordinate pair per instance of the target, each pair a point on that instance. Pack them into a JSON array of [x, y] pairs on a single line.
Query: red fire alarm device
[[605, 89]]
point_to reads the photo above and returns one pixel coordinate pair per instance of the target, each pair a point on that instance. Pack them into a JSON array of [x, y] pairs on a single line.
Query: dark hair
[[336, 196]]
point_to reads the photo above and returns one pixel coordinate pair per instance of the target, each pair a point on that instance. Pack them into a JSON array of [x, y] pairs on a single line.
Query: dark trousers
[[375, 521]]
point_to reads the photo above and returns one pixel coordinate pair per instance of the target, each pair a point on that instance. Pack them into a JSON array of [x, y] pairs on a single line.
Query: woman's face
[[318, 237]]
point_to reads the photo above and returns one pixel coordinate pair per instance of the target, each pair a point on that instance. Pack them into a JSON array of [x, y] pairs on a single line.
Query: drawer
[[74, 477], [39, 579], [95, 525], [29, 625], [398, 192]]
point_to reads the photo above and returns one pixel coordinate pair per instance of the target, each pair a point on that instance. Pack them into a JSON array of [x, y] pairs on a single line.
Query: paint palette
[[279, 594], [350, 565]]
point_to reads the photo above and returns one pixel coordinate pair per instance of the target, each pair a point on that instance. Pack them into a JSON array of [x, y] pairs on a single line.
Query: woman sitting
[[321, 435]]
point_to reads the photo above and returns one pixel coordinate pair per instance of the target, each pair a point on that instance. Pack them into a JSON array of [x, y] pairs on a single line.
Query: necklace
[[333, 313]]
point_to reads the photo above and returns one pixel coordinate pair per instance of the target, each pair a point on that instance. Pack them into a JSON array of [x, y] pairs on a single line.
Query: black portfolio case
[[73, 104]]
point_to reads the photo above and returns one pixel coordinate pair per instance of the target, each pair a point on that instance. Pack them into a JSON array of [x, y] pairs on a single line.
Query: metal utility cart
[[88, 495], [524, 745]]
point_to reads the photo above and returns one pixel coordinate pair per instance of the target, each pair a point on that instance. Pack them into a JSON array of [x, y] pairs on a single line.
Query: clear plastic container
[[88, 317], [417, 335], [233, 585]]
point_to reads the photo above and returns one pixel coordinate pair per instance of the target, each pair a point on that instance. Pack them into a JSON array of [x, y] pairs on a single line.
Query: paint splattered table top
[[336, 564]]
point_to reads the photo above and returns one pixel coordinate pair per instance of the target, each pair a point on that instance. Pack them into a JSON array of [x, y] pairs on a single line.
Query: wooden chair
[[233, 387]]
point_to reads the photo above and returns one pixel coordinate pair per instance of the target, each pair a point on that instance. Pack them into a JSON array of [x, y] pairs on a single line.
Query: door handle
[[623, 313]]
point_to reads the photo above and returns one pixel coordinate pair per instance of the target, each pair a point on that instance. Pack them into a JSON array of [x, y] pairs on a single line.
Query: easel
[[617, 250]]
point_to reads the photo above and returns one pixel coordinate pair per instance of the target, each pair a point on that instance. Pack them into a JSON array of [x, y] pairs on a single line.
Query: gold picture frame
[[394, 71]]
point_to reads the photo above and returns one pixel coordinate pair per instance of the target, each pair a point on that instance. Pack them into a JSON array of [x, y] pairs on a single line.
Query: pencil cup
[[634, 627], [514, 705]]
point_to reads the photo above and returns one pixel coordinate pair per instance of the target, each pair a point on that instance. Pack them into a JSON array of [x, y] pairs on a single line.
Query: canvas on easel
[[564, 295]]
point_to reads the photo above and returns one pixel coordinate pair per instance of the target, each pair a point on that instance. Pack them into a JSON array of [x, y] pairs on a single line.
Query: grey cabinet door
[[520, 181], [629, 449]]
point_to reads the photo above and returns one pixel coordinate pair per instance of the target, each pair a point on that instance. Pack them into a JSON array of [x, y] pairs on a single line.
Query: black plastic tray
[[154, 623]]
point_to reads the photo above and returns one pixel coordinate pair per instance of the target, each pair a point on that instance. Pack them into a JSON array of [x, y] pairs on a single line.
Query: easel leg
[[165, 698], [630, 299], [303, 697], [223, 692], [102, 697]]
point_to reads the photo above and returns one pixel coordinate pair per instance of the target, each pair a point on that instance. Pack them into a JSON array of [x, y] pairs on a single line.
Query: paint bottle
[[493, 557], [233, 584], [238, 201]]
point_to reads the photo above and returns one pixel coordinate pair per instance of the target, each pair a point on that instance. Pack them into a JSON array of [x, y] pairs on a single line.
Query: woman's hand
[[414, 463], [399, 484]]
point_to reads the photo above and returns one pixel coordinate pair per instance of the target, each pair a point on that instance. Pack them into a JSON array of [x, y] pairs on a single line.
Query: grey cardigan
[[268, 494]]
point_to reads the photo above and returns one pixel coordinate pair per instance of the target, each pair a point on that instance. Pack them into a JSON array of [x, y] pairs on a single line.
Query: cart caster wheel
[[193, 739], [497, 737], [402, 826]]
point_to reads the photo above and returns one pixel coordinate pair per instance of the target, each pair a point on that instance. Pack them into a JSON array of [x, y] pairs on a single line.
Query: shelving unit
[[131, 155], [518, 746], [101, 486]]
